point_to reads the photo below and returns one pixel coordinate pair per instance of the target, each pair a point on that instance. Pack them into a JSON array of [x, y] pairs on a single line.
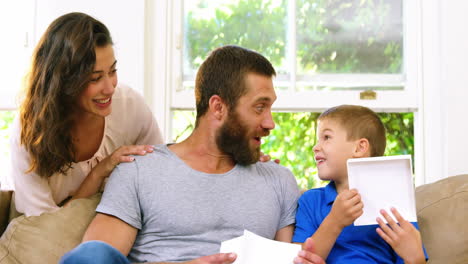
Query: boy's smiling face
[[332, 151]]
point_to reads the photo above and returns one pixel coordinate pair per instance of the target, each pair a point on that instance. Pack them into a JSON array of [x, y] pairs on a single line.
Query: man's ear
[[362, 148], [217, 107]]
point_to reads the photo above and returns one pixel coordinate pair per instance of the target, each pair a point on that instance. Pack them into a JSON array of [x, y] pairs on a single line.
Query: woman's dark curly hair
[[62, 65]]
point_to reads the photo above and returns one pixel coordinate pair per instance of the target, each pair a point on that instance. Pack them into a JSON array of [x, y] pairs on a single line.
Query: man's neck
[[200, 152]]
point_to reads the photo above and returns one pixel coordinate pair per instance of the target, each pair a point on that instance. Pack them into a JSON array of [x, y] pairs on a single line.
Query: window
[[325, 52]]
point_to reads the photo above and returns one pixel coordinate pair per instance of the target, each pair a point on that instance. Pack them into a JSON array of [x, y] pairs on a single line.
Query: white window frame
[[421, 65], [390, 101]]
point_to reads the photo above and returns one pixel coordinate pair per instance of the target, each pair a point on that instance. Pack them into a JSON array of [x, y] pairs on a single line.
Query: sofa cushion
[[13, 213], [46, 238], [442, 209], [5, 199]]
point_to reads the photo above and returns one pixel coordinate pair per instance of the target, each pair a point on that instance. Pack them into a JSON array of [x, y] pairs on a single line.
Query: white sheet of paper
[[383, 182], [252, 248]]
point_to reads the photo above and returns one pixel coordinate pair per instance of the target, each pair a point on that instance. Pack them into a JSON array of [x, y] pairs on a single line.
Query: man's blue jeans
[[94, 252]]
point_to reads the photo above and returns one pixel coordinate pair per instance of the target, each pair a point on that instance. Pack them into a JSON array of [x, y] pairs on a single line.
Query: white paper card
[[383, 182], [251, 248]]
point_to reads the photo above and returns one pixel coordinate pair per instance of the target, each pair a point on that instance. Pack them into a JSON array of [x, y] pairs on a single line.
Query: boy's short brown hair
[[359, 122]]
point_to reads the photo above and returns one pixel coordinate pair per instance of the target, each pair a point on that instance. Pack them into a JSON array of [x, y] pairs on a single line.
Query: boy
[[327, 214]]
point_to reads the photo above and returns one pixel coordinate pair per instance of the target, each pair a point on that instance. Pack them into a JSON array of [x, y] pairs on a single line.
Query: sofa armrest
[[442, 209], [5, 202]]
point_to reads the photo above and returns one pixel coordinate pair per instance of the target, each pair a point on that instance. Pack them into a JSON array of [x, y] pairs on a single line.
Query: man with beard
[[180, 202]]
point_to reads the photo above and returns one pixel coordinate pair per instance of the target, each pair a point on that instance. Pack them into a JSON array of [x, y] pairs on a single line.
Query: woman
[[75, 123]]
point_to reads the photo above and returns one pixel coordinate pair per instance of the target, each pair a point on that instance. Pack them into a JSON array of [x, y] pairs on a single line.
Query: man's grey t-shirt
[[182, 214]]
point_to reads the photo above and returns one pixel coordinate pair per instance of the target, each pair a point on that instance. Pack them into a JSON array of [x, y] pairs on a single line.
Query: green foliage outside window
[[333, 36], [258, 25], [349, 36], [293, 138]]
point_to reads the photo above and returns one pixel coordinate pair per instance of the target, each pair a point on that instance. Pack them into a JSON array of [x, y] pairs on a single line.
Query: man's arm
[[285, 234], [113, 231], [121, 236]]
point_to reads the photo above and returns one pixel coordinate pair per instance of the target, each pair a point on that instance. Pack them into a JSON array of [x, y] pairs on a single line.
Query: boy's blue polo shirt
[[355, 244]]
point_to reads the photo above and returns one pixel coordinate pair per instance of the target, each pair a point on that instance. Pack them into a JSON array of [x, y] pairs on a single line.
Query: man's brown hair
[[359, 122], [223, 74]]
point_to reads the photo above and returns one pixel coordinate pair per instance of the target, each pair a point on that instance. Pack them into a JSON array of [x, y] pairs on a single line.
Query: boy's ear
[[217, 107], [362, 148]]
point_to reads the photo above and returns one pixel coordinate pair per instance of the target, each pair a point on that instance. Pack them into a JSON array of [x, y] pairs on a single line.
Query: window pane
[[183, 123], [6, 119], [259, 25], [349, 36], [291, 142], [294, 136]]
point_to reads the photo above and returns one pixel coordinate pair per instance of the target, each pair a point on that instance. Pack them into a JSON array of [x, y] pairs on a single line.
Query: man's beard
[[232, 138]]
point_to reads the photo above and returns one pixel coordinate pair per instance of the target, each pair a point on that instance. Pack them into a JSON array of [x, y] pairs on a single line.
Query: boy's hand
[[346, 208], [308, 254], [265, 157], [403, 237]]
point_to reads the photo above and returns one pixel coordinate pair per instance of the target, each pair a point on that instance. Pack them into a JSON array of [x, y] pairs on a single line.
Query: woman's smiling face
[[96, 98]]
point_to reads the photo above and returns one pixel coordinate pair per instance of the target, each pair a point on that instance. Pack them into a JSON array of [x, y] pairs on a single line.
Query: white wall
[[16, 23], [454, 83], [430, 149], [22, 23], [444, 86]]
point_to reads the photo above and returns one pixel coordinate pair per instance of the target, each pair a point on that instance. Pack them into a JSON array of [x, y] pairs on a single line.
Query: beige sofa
[[442, 209]]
